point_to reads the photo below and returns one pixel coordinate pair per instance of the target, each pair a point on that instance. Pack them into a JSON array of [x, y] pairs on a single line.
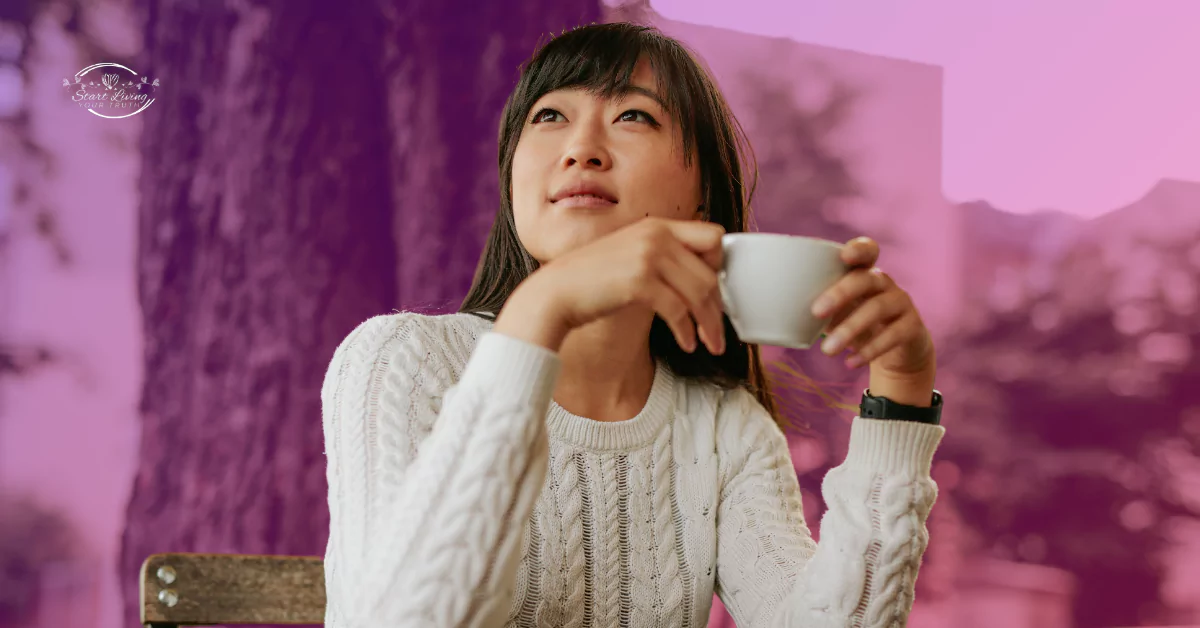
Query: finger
[[673, 309], [888, 338], [699, 236], [697, 283], [882, 308], [841, 314], [861, 340], [860, 283], [861, 251]]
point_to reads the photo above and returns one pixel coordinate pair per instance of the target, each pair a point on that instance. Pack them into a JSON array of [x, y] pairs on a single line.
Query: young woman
[[562, 452]]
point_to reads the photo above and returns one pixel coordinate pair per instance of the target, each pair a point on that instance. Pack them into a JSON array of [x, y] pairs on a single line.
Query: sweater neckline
[[618, 435]]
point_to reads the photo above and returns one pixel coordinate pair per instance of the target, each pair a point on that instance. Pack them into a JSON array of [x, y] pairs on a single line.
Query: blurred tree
[[632, 11], [804, 175], [21, 153], [307, 166], [1070, 452], [264, 236], [32, 539], [804, 181], [449, 67]]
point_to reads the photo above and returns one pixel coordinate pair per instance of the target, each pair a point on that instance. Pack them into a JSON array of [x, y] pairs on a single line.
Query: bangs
[[602, 59]]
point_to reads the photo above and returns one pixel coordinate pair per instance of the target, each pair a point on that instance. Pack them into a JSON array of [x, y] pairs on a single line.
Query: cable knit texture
[[461, 494]]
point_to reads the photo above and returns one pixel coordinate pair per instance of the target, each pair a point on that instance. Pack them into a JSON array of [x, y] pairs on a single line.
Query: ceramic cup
[[769, 281]]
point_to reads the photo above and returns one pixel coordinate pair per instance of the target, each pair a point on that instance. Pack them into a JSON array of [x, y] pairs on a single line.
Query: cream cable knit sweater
[[461, 494]]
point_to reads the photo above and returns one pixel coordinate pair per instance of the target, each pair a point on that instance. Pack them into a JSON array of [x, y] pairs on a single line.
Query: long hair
[[601, 58]]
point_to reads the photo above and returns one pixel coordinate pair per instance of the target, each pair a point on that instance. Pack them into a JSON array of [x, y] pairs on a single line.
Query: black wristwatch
[[873, 407]]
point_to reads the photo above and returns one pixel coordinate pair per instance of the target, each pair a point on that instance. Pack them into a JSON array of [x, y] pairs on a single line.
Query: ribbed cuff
[[511, 368], [893, 447]]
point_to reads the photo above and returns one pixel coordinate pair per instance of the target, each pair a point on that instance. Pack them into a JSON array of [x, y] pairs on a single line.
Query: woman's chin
[[566, 245], [588, 231], [561, 236]]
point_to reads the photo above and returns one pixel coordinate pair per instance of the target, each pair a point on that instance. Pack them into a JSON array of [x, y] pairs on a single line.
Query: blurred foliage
[[31, 163], [32, 538], [18, 360], [1070, 432], [804, 182], [20, 151], [804, 176], [807, 181]]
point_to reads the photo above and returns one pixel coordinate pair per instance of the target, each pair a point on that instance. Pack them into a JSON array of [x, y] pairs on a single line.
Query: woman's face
[[626, 151]]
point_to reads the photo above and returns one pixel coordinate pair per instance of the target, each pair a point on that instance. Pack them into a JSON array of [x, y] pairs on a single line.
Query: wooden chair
[[208, 589]]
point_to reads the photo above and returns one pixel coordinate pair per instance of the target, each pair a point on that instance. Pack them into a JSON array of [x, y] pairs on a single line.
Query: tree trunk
[[288, 145], [451, 64], [264, 237]]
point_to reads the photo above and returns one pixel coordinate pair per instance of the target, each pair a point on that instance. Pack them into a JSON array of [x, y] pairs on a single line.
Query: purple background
[[1033, 173]]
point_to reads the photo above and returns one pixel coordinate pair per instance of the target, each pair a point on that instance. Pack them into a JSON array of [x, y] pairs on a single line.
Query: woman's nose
[[588, 151], [591, 161]]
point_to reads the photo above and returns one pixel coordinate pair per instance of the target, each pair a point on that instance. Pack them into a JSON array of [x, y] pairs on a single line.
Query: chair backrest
[[208, 589]]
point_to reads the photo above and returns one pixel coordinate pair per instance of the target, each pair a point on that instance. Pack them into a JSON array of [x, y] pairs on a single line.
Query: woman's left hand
[[875, 319]]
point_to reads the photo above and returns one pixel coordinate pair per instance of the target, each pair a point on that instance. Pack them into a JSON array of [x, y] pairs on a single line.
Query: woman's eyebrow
[[634, 89]]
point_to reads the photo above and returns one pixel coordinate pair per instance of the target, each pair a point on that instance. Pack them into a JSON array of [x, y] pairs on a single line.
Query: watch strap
[[872, 407]]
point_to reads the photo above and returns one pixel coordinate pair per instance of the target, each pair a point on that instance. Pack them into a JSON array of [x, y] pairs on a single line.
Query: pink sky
[[1077, 105]]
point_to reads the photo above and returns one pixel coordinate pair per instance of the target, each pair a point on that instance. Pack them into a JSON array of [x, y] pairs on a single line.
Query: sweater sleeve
[[429, 479], [770, 572]]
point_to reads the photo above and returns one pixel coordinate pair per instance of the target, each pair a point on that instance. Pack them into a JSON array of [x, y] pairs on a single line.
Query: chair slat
[[207, 589]]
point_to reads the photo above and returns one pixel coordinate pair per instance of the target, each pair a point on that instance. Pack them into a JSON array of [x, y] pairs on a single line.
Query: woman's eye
[[540, 116], [632, 116]]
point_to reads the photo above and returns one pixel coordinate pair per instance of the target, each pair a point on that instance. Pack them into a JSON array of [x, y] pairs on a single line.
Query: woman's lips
[[584, 200]]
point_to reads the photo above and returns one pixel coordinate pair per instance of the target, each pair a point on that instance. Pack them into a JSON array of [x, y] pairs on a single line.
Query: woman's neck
[[607, 368]]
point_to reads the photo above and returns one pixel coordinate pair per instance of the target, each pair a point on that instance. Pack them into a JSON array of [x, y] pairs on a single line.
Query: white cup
[[769, 282]]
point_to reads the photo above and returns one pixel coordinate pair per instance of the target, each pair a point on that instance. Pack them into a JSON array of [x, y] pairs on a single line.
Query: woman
[[580, 460]]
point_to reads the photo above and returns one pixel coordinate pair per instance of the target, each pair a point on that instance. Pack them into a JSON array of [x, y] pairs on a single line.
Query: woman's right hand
[[666, 265]]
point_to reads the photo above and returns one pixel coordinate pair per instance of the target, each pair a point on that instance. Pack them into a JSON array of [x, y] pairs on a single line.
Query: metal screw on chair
[[168, 597], [166, 574]]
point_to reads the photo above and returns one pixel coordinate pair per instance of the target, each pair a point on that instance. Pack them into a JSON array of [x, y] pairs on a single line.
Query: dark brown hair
[[601, 58]]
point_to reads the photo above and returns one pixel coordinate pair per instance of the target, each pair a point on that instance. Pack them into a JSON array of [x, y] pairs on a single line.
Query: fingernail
[[831, 344], [821, 306], [854, 361]]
